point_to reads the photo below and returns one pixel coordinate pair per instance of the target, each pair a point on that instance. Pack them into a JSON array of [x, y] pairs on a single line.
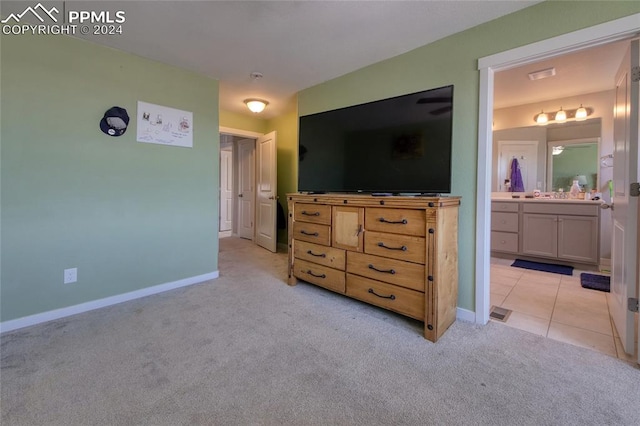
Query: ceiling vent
[[539, 75]]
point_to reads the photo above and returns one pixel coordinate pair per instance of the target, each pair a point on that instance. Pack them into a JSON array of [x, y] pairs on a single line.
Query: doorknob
[[240, 195], [272, 197], [605, 206]]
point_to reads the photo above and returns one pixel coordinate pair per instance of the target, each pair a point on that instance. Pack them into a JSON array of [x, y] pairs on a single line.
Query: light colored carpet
[[246, 349]]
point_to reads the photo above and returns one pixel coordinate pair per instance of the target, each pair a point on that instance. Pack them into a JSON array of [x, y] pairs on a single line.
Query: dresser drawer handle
[[306, 213], [312, 234], [316, 255], [314, 275], [392, 297], [397, 222], [403, 248], [388, 271]]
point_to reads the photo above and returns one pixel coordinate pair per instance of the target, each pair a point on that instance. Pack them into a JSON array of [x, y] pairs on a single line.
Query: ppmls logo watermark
[[70, 22]]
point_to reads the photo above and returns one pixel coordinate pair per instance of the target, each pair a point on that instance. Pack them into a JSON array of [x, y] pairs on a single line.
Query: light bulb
[[542, 118], [561, 116], [581, 113]]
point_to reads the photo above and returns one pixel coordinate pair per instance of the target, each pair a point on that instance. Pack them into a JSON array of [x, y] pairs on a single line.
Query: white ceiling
[[295, 44], [298, 44], [587, 71]]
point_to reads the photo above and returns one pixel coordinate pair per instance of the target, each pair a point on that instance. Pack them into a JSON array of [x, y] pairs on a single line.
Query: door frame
[[245, 134], [616, 30]]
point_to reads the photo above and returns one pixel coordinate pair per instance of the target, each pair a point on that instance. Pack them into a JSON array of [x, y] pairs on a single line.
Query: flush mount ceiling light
[[563, 115], [539, 75], [256, 105]]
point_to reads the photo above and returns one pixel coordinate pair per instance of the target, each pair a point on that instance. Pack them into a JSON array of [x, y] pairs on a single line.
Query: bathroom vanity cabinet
[[563, 230]]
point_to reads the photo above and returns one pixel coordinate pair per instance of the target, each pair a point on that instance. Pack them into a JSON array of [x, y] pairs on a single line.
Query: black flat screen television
[[395, 145]]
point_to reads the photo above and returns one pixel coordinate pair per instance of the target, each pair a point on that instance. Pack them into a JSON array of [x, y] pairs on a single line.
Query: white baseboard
[[465, 315], [605, 264], [101, 303]]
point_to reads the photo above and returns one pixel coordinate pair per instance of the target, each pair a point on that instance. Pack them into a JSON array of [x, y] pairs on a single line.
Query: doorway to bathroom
[[487, 281]]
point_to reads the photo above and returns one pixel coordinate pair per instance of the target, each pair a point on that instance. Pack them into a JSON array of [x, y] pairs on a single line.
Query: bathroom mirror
[[573, 159], [579, 155]]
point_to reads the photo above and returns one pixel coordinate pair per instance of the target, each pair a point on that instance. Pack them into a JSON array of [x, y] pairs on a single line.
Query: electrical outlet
[[70, 275]]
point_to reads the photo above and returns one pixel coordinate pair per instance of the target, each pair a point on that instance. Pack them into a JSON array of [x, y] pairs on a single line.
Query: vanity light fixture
[[563, 115], [541, 118], [256, 105], [581, 113]]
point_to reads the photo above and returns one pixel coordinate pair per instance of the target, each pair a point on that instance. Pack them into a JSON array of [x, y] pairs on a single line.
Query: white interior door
[[527, 154], [624, 245], [267, 195], [246, 192], [226, 192]]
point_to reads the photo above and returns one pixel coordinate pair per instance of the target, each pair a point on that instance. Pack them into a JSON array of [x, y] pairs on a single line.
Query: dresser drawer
[[504, 241], [396, 221], [323, 276], [313, 213], [323, 255], [405, 274], [312, 232], [398, 299], [504, 206], [402, 247], [506, 222]]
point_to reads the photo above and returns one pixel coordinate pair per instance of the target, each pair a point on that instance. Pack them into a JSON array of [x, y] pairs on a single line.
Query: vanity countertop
[[507, 198]]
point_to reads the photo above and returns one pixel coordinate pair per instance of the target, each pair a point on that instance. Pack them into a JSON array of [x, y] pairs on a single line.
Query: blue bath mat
[[545, 267], [595, 282]]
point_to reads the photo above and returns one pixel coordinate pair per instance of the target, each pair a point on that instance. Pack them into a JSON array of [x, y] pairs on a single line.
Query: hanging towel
[[516, 177]]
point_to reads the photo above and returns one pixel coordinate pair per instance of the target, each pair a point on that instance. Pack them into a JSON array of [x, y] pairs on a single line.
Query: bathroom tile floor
[[555, 306]]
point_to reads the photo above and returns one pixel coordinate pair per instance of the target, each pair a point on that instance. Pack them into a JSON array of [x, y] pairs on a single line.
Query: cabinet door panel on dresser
[[405, 274], [348, 226]]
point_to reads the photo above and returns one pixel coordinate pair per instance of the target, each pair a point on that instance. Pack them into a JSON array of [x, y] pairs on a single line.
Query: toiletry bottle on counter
[[575, 190]]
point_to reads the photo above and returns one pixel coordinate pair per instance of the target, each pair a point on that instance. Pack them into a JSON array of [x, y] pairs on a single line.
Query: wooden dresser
[[399, 253]]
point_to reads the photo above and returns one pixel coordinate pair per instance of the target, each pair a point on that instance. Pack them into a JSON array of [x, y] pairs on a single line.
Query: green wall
[[243, 122], [128, 215], [453, 60]]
